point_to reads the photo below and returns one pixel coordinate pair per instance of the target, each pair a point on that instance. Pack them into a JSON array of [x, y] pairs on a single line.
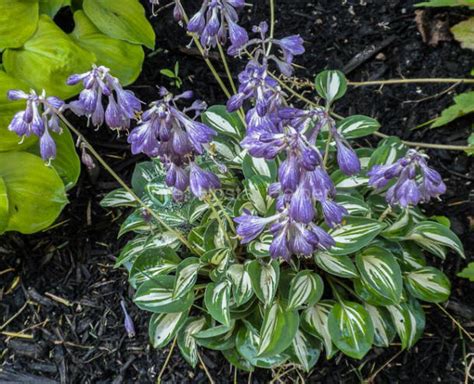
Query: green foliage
[[260, 312], [468, 272], [446, 3], [37, 54]]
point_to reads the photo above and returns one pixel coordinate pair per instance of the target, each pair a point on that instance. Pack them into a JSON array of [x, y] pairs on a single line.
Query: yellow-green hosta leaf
[[351, 329], [429, 284], [446, 3], [124, 59], [464, 33], [18, 21], [380, 273], [51, 7], [164, 326], [337, 265], [36, 193], [468, 272], [9, 141], [47, 59], [121, 19], [4, 206]]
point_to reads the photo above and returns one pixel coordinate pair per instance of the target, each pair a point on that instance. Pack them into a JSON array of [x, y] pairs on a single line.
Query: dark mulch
[[63, 291]]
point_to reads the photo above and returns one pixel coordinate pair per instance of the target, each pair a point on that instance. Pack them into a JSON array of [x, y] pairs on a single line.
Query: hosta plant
[[277, 242]]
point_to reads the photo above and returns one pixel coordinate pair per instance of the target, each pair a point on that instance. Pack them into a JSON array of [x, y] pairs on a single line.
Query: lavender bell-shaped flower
[[414, 180], [100, 85], [39, 118]]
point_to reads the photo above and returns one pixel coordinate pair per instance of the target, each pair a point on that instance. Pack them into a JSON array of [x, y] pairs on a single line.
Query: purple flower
[[407, 190], [202, 181], [127, 322], [122, 105], [333, 212], [39, 117], [301, 206], [250, 226], [347, 158]]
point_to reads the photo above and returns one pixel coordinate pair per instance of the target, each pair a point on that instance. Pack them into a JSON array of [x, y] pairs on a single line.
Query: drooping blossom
[[217, 21], [166, 132], [415, 181], [39, 118], [121, 105]]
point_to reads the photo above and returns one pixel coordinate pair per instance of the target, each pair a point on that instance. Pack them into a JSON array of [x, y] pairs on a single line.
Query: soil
[[60, 289]]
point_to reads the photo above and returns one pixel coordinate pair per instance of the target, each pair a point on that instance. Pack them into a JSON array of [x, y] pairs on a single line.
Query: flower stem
[[99, 158], [411, 81], [272, 25], [224, 211], [219, 220], [226, 67], [427, 145]]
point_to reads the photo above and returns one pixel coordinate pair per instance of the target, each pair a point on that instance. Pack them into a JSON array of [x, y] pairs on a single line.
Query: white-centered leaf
[[217, 300], [306, 287], [384, 331], [264, 278], [241, 284], [164, 326], [356, 126], [331, 85], [187, 343], [186, 276], [429, 284], [338, 265], [315, 321], [409, 321]]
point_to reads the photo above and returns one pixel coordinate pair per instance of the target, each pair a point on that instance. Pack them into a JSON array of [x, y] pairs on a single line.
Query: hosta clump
[[299, 251]]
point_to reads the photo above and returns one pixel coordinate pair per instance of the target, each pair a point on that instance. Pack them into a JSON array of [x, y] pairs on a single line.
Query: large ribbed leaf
[[18, 21], [429, 284], [351, 329]]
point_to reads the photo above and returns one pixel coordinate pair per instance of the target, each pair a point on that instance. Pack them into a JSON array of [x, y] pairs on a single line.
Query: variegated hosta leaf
[[164, 326], [157, 296], [256, 166], [214, 237], [354, 234], [388, 151], [356, 126], [222, 121], [196, 209], [351, 329], [380, 273], [355, 206], [342, 181], [256, 189], [237, 360], [315, 321], [218, 337], [226, 147], [153, 263], [186, 276], [217, 300], [399, 228], [186, 342], [434, 237], [264, 278], [412, 256], [118, 198], [247, 342], [140, 244], [145, 173], [196, 237], [341, 265], [384, 330], [305, 350], [278, 330], [409, 321], [331, 85], [261, 246], [135, 223], [241, 285], [305, 288], [429, 284]]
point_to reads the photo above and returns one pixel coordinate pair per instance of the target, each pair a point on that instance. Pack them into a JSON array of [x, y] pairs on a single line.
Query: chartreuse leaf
[[186, 276], [156, 295], [48, 59], [278, 330], [468, 272], [463, 32], [152, 263], [51, 7], [306, 287], [217, 300], [384, 330], [247, 342], [164, 326], [241, 285], [429, 284], [4, 205], [331, 85], [18, 21], [124, 59], [434, 237], [264, 278], [409, 321], [314, 320], [340, 265], [380, 273], [121, 19], [305, 350], [354, 234], [67, 162], [186, 342], [36, 193], [217, 337], [356, 126], [228, 123], [351, 329], [9, 141]]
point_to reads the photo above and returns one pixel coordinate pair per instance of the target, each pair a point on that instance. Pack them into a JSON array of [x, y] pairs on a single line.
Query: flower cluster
[[168, 133], [410, 187], [122, 105], [40, 116], [216, 21]]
